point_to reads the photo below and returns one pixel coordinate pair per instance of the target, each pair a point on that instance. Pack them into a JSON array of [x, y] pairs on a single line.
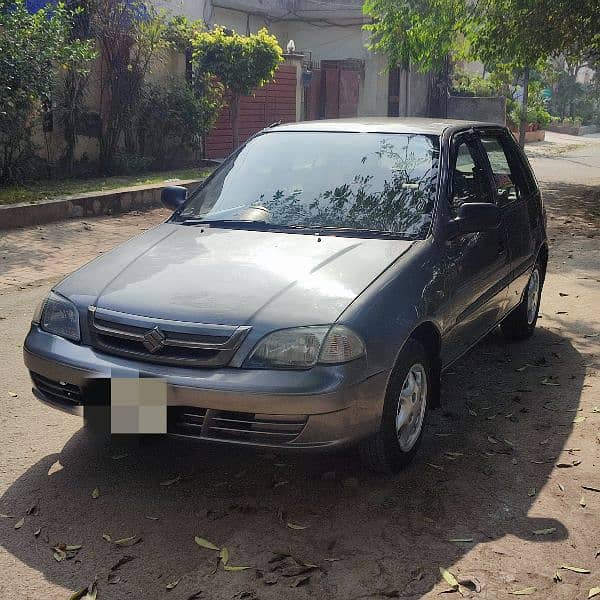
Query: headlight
[[59, 316], [304, 347]]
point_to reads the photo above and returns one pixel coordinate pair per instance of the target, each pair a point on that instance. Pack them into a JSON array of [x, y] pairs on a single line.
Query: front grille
[[63, 393], [228, 425], [162, 341]]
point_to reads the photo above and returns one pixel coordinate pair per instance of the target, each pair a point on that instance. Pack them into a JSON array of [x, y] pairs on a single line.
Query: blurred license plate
[[138, 405]]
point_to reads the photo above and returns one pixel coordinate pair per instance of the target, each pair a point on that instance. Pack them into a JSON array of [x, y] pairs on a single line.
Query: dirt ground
[[509, 464]]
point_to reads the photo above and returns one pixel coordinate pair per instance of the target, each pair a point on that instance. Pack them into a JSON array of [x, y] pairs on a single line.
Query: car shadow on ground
[[487, 453]]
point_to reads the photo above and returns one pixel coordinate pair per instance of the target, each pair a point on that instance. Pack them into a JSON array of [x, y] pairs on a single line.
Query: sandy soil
[[503, 465]]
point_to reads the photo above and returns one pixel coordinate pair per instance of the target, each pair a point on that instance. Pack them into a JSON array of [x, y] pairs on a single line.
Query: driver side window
[[469, 180]]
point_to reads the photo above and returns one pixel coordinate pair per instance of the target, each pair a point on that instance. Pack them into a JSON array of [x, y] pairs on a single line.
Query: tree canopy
[[241, 63]]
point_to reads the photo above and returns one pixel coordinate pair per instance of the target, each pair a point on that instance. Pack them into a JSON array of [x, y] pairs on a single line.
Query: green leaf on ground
[[128, 541], [547, 531], [224, 556], [95, 493], [206, 544], [449, 578], [232, 568]]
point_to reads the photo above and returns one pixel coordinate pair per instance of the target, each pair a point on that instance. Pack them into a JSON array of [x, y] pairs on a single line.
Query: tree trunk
[[234, 111], [523, 124]]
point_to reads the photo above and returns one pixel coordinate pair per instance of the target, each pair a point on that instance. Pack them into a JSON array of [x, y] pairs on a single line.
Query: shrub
[[33, 47], [173, 117], [470, 84]]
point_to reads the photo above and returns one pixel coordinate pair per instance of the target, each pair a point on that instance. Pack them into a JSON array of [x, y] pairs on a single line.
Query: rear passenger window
[[508, 177], [469, 182]]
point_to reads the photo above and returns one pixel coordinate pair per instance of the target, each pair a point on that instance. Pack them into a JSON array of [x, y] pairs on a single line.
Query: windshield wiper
[[364, 233], [242, 224], [314, 230]]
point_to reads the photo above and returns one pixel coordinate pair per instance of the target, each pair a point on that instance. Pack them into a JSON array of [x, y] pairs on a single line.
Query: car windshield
[[370, 182]]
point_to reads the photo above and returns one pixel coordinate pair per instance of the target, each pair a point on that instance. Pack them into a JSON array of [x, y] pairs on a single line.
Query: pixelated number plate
[[138, 405]]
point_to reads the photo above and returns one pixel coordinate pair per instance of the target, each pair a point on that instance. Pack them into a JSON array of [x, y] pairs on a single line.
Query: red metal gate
[[334, 89], [274, 102]]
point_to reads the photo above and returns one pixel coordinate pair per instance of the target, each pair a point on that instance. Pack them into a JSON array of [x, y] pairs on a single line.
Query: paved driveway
[[487, 472]]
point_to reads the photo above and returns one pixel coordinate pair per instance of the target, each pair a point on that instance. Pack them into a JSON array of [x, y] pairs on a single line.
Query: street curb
[[89, 204]]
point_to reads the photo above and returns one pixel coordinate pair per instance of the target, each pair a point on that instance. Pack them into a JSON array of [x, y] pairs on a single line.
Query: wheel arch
[[543, 259], [428, 335]]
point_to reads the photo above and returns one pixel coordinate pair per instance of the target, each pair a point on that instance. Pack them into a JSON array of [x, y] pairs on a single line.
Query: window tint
[[469, 182], [508, 178]]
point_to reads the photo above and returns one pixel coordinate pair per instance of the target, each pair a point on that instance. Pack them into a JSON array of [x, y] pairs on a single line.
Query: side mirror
[[173, 197], [473, 217]]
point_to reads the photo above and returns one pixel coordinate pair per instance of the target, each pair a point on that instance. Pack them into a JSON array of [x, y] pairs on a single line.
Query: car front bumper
[[339, 405]]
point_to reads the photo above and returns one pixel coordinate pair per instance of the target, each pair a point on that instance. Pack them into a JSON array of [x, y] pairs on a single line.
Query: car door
[[513, 197], [476, 264]]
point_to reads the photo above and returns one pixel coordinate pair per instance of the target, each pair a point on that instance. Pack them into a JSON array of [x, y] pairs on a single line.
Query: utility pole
[[523, 124]]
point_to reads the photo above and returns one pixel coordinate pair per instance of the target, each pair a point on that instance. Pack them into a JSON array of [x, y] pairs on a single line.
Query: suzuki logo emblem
[[154, 340]]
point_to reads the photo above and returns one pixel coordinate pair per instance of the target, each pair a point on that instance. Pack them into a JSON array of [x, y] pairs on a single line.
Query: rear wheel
[[404, 413], [520, 324]]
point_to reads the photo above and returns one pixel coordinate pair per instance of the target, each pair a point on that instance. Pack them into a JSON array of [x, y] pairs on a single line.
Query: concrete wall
[[489, 110], [335, 33]]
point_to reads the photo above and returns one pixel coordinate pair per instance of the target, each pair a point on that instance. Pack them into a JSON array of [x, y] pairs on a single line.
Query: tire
[[520, 323], [388, 451]]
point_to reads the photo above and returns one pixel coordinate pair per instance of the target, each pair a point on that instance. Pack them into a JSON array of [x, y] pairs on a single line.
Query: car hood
[[232, 276]]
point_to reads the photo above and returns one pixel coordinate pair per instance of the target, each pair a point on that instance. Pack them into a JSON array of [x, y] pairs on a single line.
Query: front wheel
[[404, 413], [520, 324]]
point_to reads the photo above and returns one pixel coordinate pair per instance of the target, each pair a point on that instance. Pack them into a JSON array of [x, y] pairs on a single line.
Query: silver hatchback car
[[309, 293]]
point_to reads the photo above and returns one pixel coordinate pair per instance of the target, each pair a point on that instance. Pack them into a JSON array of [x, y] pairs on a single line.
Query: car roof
[[384, 125]]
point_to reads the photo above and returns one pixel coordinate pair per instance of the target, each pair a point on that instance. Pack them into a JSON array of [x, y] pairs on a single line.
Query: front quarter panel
[[408, 293]]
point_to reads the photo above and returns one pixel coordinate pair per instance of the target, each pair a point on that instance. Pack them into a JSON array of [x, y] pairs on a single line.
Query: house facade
[[340, 76]]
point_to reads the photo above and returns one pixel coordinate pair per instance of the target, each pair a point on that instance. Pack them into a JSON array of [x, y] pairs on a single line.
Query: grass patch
[[37, 191]]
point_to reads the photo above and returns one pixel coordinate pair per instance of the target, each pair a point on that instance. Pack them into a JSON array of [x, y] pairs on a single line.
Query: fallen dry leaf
[[582, 502], [128, 541], [547, 531], [232, 568], [575, 569], [206, 544], [524, 592], [171, 481], [20, 523], [13, 394], [95, 493], [579, 419], [37, 532], [224, 556], [548, 381], [122, 561], [595, 591], [107, 537], [461, 540], [55, 468], [296, 526], [300, 581], [591, 488], [172, 585], [557, 577], [472, 584], [449, 578]]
